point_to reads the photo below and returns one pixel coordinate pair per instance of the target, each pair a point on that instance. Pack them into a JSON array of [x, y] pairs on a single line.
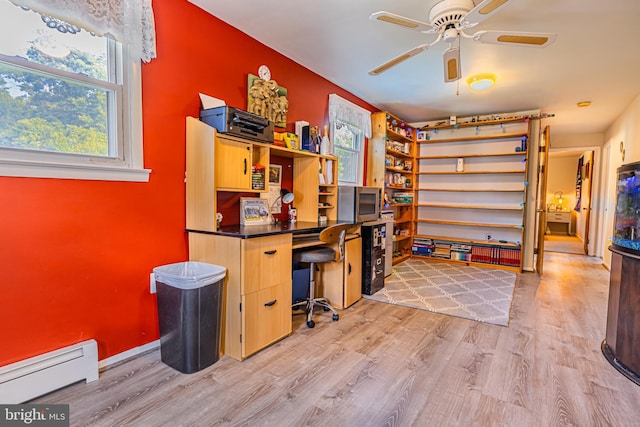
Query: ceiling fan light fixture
[[482, 82]]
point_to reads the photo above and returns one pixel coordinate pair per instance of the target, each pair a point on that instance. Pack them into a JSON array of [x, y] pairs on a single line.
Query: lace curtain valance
[[127, 21], [350, 113]]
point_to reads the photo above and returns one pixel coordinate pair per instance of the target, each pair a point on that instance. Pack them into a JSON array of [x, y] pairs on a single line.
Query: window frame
[[128, 166], [360, 142]]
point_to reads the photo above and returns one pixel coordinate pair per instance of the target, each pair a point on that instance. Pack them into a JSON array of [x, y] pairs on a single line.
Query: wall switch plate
[[152, 283]]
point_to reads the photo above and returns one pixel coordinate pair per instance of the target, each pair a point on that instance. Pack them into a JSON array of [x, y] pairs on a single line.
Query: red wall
[[75, 256]]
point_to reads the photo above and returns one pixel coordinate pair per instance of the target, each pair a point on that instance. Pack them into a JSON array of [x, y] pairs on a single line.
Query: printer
[[243, 124]]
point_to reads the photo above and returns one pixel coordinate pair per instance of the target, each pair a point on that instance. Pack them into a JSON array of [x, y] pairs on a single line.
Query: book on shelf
[[402, 197], [422, 241], [460, 256], [481, 253], [422, 246], [258, 177], [442, 250], [329, 170], [510, 257], [496, 255], [460, 252], [421, 250]]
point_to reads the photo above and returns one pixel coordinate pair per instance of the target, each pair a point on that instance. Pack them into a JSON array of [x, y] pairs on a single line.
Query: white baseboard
[[116, 358]]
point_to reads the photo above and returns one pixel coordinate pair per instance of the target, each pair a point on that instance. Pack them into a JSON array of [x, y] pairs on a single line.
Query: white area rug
[[475, 293]]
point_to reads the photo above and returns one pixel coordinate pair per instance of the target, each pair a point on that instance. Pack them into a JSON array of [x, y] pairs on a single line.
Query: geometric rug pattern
[[475, 293]]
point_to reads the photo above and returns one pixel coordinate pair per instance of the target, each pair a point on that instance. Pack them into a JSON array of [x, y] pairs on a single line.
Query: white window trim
[[360, 172], [354, 116], [132, 170]]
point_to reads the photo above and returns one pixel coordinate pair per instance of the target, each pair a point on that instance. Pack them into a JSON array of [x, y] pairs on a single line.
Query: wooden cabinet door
[[330, 283], [352, 271], [341, 282], [233, 164], [266, 317]]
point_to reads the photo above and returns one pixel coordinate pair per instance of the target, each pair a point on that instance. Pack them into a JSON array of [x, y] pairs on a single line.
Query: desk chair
[[333, 234]]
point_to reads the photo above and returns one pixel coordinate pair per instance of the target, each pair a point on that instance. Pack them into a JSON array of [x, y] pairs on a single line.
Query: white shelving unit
[[471, 188]]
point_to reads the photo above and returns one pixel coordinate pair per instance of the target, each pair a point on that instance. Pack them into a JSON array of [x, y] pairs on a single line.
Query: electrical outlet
[[488, 236], [152, 283]]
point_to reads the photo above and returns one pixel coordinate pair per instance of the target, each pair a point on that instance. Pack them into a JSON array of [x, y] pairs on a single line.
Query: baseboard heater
[[27, 379]]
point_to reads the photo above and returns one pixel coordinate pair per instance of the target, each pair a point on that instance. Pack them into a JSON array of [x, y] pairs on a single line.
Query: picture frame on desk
[[254, 211], [275, 174]]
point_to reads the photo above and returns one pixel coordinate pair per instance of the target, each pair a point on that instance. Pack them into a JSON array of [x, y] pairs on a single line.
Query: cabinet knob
[[270, 303], [271, 252]]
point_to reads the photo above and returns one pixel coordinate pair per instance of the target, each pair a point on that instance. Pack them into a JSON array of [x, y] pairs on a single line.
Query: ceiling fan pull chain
[[458, 81]]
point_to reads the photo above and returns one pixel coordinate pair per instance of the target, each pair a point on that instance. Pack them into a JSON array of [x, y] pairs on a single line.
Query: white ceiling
[[596, 56]]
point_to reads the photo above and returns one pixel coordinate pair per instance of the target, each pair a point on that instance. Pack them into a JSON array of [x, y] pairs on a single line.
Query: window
[[70, 101], [348, 146], [350, 124]]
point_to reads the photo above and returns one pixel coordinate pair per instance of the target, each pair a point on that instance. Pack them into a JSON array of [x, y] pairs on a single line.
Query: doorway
[[568, 201]]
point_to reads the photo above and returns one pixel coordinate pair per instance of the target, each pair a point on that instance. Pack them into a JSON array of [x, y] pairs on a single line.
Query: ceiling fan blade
[[402, 21], [451, 59], [515, 38], [398, 59], [482, 11]]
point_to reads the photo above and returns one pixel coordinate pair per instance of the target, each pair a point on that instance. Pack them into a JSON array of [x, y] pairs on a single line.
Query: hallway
[[563, 243]]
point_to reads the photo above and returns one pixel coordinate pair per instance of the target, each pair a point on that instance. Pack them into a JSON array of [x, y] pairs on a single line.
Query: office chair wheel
[[311, 323], [326, 308], [336, 317]]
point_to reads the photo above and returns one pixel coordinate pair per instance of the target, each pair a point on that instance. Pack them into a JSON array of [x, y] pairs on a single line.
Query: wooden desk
[[258, 260], [560, 217]]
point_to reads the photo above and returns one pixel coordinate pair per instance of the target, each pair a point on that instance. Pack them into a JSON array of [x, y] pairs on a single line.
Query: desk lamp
[[286, 197]]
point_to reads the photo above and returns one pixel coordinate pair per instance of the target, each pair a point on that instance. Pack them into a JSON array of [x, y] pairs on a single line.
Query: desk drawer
[[266, 261], [267, 317], [559, 217]]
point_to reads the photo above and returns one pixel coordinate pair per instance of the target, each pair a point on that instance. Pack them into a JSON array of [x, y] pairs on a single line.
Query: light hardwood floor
[[563, 243], [385, 365]]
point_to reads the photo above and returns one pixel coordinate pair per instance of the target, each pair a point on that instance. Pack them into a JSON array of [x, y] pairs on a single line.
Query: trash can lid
[[189, 274]]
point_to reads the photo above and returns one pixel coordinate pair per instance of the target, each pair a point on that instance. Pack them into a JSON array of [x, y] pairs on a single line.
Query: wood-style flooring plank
[[385, 365]]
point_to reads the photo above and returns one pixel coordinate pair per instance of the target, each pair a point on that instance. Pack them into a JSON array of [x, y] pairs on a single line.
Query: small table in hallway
[[561, 217]]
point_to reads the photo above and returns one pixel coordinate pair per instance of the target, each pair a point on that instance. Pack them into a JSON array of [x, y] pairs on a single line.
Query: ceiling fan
[[449, 19]]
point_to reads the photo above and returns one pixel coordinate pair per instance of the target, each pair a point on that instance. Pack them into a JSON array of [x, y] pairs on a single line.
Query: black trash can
[[189, 296]]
